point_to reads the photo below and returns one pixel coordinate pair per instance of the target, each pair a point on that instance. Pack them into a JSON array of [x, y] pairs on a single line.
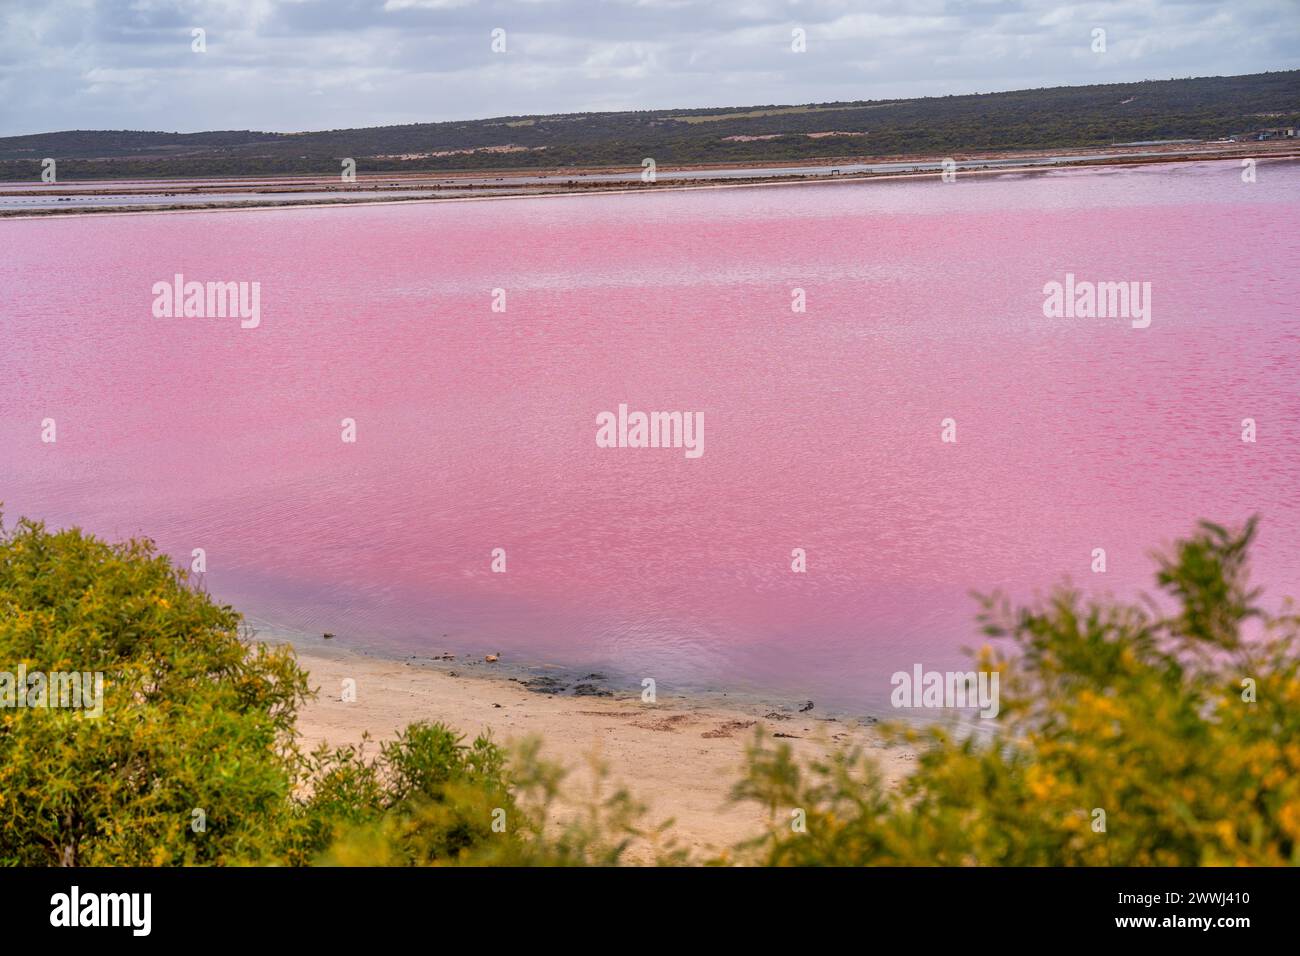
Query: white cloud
[[391, 5], [318, 64]]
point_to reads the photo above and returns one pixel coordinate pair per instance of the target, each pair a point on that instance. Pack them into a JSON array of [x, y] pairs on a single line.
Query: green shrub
[[197, 717], [443, 803], [193, 718], [1177, 718], [428, 799], [1182, 726]]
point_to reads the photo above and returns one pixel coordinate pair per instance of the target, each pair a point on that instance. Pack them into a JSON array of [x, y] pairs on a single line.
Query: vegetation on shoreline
[[1129, 735], [1055, 118]]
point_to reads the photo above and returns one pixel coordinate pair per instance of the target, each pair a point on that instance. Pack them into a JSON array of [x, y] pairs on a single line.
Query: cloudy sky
[[324, 64]]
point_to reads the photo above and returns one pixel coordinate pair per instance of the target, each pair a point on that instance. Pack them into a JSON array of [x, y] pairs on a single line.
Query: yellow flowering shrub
[[183, 749], [1165, 732]]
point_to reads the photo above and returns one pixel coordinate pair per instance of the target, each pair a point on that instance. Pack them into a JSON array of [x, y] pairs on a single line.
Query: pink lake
[[476, 429]]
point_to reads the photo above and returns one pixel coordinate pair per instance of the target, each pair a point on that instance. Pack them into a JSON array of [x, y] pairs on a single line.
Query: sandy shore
[[680, 756], [279, 192]]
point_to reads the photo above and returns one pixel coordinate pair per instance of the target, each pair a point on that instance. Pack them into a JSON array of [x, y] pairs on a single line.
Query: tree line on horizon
[[1061, 117]]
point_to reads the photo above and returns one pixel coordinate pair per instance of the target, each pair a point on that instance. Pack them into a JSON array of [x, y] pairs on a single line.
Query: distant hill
[[1199, 108]]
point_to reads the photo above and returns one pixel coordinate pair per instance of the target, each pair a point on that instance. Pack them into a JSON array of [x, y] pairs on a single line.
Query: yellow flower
[[1289, 818], [1040, 783], [1226, 831]]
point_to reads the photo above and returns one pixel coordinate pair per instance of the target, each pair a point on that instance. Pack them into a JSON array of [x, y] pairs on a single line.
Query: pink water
[[476, 429]]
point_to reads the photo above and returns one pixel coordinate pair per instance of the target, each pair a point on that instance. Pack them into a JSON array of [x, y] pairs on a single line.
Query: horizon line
[[667, 109]]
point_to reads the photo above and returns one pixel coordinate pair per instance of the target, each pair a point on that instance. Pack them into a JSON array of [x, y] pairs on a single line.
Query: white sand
[[680, 757]]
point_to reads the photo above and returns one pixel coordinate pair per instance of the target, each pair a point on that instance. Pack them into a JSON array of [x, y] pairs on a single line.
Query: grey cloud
[[319, 64]]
